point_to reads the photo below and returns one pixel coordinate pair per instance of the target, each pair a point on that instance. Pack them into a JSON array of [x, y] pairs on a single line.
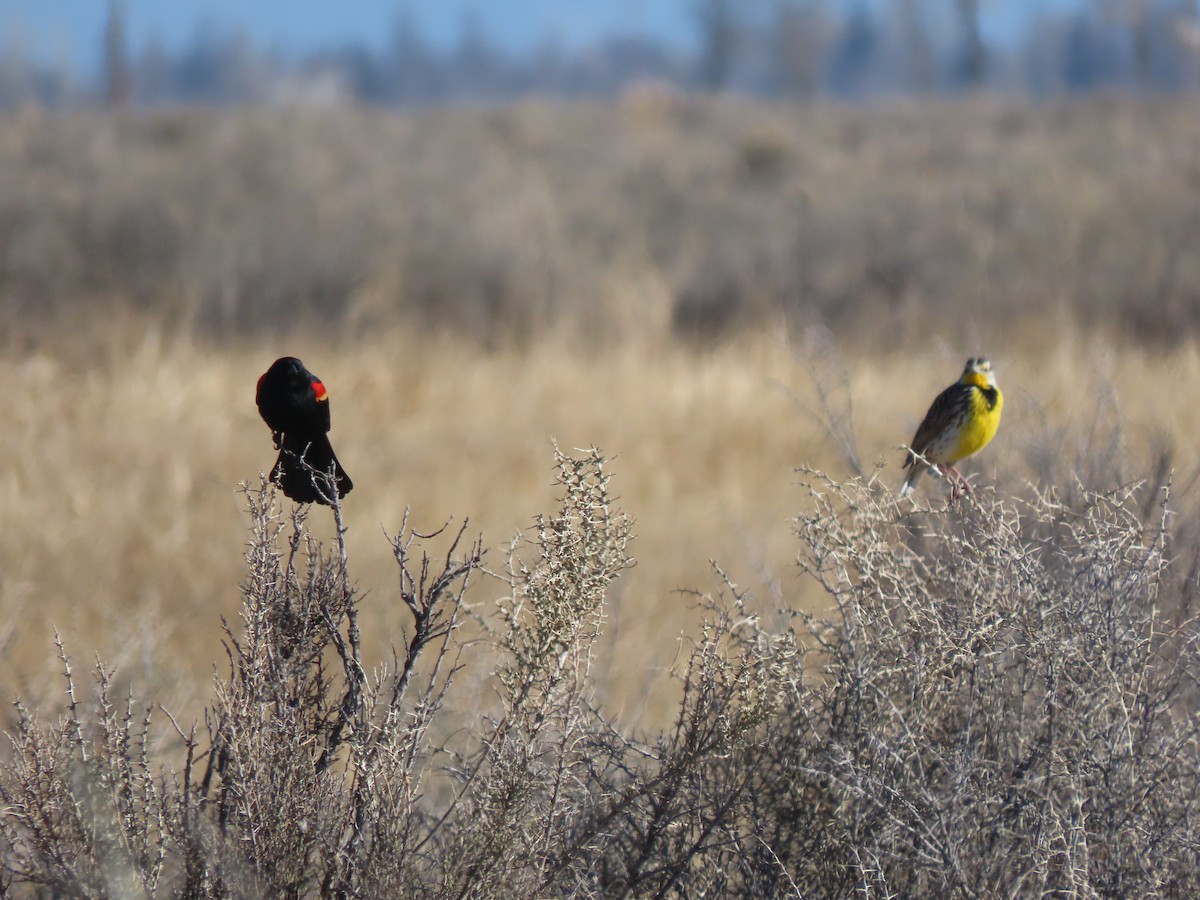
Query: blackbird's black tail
[[302, 470]]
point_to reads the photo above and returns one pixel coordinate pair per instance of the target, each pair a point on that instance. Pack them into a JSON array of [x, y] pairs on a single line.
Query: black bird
[[295, 404]]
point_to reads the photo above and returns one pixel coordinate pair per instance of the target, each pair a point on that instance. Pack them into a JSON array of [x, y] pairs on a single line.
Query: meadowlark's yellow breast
[[981, 422]]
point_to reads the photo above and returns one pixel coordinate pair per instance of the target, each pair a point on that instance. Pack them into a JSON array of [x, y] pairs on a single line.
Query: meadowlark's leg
[[960, 486], [955, 478]]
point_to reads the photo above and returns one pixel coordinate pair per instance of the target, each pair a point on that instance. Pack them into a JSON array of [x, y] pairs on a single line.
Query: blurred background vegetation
[[689, 217]]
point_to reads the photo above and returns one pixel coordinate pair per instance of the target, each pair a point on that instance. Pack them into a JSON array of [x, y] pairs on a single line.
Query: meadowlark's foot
[[959, 486]]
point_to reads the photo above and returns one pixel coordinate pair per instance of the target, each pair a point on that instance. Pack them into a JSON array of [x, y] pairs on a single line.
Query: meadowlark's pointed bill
[[961, 422]]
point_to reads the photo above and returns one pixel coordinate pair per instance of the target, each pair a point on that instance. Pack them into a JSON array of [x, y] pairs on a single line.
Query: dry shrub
[[1005, 702], [1000, 700], [507, 223]]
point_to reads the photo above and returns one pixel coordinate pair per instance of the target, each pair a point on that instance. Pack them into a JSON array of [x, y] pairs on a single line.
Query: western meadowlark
[[961, 422]]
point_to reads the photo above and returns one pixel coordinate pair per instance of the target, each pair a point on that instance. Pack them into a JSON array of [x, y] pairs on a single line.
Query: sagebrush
[[1000, 701], [687, 216]]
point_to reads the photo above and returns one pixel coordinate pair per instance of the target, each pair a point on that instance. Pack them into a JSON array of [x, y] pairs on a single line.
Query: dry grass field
[[673, 280], [121, 523]]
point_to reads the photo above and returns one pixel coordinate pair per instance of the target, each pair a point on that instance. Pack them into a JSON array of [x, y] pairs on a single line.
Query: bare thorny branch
[[999, 693]]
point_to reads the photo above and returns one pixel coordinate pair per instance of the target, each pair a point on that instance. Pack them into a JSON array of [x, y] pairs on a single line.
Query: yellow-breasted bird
[[960, 423]]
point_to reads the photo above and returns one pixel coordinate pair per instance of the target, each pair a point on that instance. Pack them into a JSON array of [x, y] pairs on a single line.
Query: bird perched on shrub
[[960, 423], [295, 404]]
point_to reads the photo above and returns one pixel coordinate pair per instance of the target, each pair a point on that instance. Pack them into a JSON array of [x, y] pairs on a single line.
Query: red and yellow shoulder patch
[[319, 390]]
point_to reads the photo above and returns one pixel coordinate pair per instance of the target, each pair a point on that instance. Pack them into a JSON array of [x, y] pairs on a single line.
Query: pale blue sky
[[70, 29]]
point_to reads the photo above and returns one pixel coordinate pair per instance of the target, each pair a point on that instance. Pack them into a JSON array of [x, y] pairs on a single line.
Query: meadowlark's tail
[[916, 467]]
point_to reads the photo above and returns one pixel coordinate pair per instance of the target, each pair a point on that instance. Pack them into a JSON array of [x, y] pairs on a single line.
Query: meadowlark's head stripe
[[978, 371], [319, 390]]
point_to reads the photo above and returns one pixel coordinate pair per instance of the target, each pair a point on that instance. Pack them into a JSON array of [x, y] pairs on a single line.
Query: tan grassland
[[1055, 240], [121, 523]]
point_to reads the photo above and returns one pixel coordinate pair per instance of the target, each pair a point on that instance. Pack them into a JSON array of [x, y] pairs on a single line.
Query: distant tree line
[[775, 48]]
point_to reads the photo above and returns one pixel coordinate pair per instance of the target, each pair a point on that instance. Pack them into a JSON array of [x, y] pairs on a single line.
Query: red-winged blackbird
[[294, 403]]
